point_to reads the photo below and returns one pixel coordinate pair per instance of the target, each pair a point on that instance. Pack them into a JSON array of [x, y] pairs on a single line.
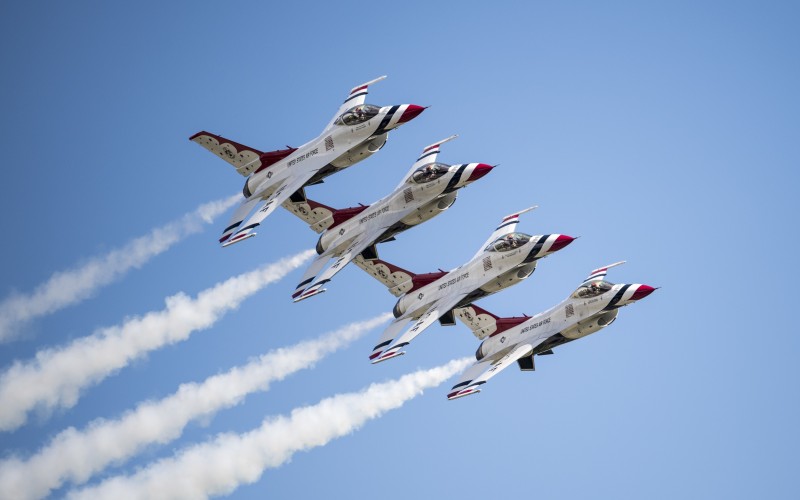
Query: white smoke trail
[[70, 287], [218, 467], [75, 455], [57, 375]]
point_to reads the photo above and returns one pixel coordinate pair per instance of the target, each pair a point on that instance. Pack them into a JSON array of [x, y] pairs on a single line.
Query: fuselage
[[412, 203], [492, 270], [573, 318], [341, 145]]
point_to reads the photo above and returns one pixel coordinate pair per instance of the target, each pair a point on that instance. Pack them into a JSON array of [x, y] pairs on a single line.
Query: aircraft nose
[[411, 112], [562, 241], [642, 292], [479, 171]]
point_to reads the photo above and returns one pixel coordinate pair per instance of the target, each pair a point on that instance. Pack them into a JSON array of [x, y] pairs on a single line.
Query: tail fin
[[245, 160]]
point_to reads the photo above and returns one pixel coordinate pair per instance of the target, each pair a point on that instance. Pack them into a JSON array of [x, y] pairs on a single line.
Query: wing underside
[[478, 374], [272, 202], [434, 312], [318, 216], [396, 279], [244, 159], [358, 245]]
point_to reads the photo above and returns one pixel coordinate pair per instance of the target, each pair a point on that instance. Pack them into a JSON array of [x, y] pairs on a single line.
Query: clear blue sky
[[662, 133]]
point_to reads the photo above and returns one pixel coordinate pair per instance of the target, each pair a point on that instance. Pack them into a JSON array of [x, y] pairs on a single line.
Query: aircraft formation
[[357, 131]]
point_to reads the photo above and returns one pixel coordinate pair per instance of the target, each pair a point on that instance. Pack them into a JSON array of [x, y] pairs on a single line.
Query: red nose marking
[[375, 355], [562, 241], [480, 170], [411, 112], [642, 292]]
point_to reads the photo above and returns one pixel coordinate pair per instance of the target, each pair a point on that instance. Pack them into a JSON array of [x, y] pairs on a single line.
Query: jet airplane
[[427, 190], [356, 131], [592, 307], [506, 258]]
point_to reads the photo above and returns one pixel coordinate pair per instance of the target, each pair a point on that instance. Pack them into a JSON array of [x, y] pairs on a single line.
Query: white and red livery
[[427, 190], [592, 307], [356, 131], [506, 258]]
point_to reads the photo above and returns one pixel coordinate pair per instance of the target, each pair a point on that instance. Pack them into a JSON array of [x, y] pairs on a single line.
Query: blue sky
[[664, 134]]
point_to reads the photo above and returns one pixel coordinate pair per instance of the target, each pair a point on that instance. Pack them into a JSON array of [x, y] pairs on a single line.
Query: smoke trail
[[70, 287], [112, 441], [56, 376], [218, 467]]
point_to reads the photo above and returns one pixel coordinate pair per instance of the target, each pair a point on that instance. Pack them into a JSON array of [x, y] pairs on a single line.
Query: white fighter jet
[[356, 131], [427, 190], [505, 259], [593, 306]]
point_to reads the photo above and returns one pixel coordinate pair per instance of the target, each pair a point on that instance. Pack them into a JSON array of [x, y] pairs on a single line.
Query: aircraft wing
[[434, 312], [313, 285], [506, 226], [356, 96], [273, 201], [238, 217], [244, 159], [318, 216], [396, 279], [480, 373]]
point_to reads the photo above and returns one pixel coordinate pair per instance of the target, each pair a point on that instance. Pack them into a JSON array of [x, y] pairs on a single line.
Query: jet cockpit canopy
[[508, 242], [358, 114], [429, 172], [592, 289]]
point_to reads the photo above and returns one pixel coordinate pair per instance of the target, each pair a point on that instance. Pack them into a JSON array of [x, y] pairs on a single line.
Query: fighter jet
[[356, 131], [427, 190], [593, 306], [506, 258]]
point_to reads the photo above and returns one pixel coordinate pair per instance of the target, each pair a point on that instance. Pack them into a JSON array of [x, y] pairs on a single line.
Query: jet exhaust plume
[[66, 288], [219, 466], [106, 442], [55, 377]]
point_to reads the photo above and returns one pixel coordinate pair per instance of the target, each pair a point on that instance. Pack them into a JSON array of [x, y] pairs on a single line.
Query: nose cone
[[480, 170], [562, 241], [411, 112], [642, 292]]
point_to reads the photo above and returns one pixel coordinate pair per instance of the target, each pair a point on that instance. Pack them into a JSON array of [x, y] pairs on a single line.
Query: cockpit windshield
[[357, 114], [592, 289], [508, 242], [429, 172]]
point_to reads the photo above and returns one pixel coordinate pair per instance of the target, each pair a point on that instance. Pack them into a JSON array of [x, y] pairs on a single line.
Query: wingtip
[[461, 394], [305, 296], [238, 239]]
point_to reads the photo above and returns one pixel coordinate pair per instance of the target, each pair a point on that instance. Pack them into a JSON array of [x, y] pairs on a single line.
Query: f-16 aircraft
[[593, 306], [356, 131], [427, 190], [506, 258]]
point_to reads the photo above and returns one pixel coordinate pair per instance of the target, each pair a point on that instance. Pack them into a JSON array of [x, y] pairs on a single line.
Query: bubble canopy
[[592, 289], [358, 114], [429, 172], [508, 242]]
